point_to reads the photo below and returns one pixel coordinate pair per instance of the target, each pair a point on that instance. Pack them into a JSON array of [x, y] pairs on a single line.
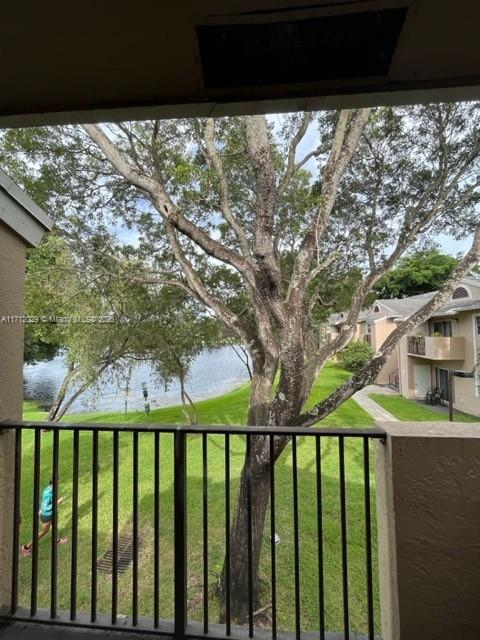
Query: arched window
[[376, 308], [460, 292]]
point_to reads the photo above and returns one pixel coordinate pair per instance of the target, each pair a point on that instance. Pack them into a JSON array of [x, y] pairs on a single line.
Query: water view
[[213, 372]]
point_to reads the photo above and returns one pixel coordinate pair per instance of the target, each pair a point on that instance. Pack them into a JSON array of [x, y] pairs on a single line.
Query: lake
[[212, 373]]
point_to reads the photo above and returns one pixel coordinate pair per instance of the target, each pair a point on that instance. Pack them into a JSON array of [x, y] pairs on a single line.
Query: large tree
[[421, 272], [256, 218]]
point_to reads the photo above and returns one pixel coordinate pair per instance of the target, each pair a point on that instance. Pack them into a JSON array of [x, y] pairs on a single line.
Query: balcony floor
[[31, 631], [23, 631]]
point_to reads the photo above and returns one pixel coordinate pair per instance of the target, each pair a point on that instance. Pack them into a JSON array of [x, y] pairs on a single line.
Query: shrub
[[355, 355]]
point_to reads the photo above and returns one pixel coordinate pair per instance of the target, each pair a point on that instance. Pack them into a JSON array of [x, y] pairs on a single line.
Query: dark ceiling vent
[[353, 45], [460, 292]]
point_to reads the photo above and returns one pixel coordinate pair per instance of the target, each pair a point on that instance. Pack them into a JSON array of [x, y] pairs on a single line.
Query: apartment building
[[449, 340]]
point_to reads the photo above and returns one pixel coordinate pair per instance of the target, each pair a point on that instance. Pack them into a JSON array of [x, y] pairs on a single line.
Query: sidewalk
[[378, 413]]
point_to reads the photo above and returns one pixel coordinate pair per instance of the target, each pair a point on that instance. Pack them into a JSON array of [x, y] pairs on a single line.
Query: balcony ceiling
[[117, 59]]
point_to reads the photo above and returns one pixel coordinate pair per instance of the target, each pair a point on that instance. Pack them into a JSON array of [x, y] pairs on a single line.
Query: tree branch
[[217, 165], [368, 373], [165, 205], [292, 166], [342, 149], [200, 291]]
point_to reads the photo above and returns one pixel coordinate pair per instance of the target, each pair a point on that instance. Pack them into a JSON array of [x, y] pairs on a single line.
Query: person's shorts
[[45, 519]]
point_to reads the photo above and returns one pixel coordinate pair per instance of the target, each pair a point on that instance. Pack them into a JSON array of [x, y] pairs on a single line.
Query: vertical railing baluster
[[205, 530], [115, 529], [296, 537], [73, 563], [343, 520], [56, 495], [16, 518], [321, 592], [93, 571], [156, 534], [180, 533], [36, 503], [272, 537], [135, 532], [227, 535], [368, 538], [249, 535]]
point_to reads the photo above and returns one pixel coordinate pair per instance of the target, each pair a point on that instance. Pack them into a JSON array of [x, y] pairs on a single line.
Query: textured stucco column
[[428, 506], [12, 270]]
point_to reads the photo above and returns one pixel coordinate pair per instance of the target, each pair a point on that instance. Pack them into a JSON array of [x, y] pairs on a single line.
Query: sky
[[446, 243]]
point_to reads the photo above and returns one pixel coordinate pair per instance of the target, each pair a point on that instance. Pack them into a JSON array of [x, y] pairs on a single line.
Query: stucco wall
[[428, 479], [12, 268], [380, 331]]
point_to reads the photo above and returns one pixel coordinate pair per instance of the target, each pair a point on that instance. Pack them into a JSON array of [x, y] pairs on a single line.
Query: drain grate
[[124, 555]]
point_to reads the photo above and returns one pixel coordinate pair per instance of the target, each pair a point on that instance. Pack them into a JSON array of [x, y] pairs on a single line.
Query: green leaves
[[420, 272]]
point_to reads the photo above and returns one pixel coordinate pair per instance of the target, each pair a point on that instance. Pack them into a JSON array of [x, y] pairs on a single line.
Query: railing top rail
[[371, 432]]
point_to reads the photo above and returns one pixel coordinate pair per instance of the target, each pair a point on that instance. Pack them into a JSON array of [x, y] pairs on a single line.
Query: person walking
[[46, 518]]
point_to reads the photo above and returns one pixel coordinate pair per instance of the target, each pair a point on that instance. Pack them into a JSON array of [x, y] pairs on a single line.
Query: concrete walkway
[[378, 413]]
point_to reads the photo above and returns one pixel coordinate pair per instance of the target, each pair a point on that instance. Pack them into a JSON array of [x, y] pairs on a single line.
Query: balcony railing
[[437, 347], [138, 475], [416, 345]]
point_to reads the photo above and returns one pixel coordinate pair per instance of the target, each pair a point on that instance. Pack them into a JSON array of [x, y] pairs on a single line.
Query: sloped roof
[[403, 307], [456, 306], [20, 213]]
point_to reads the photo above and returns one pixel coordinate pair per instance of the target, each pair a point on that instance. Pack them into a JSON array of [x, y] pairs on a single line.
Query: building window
[[376, 309], [442, 328], [477, 322], [460, 292]]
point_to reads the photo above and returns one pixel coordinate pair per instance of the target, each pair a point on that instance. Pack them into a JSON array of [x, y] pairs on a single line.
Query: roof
[[399, 308], [457, 306], [403, 307], [20, 213]]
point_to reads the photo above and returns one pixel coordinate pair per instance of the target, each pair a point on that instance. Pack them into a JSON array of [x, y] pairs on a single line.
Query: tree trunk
[[61, 394], [240, 559], [263, 410], [189, 413]]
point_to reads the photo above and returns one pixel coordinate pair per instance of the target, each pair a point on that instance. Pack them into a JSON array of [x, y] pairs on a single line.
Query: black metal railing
[[416, 345], [111, 478]]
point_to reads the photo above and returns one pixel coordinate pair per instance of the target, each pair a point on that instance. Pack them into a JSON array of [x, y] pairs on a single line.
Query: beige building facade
[[448, 341]]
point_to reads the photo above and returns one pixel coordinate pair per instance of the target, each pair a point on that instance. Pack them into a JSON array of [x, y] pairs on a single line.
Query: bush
[[355, 355]]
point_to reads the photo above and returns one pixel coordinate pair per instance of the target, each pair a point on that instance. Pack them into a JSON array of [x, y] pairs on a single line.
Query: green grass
[[227, 409], [410, 411]]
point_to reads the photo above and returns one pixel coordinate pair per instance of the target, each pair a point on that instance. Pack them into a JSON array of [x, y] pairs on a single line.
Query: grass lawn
[[227, 409], [410, 411]]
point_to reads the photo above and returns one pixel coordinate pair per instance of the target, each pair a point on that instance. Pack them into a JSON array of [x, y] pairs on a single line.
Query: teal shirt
[[46, 508]]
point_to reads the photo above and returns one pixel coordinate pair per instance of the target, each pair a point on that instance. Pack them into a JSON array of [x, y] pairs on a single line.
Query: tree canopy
[[420, 272]]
